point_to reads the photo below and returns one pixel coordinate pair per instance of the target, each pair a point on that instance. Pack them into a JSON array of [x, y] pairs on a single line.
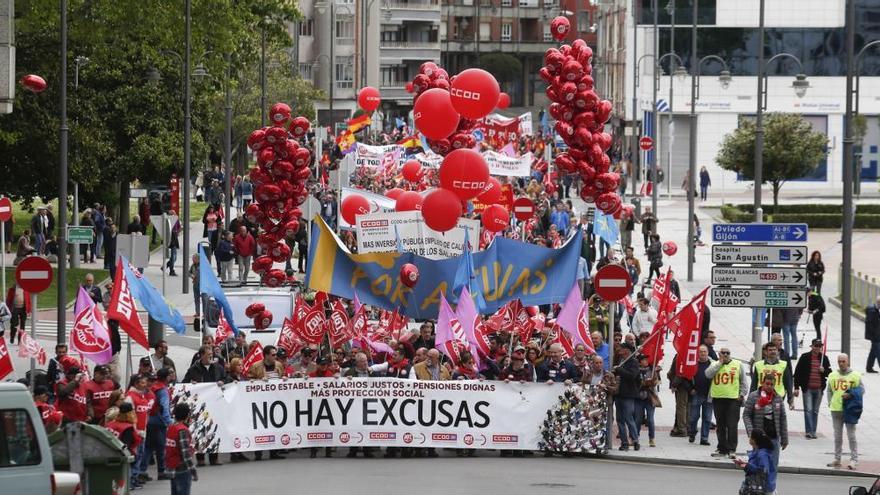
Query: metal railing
[[410, 44], [865, 289], [426, 5]]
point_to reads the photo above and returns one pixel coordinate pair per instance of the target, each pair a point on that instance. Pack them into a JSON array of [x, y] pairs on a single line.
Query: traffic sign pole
[[608, 424], [33, 336], [5, 216]]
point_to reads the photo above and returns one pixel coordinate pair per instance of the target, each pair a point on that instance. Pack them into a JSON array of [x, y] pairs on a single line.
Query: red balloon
[[280, 252], [434, 115], [670, 248], [441, 210], [279, 113], [474, 93], [254, 309], [464, 172], [503, 101], [261, 265], [369, 99], [408, 201], [354, 205], [496, 218], [33, 83], [409, 87], [559, 28], [492, 193], [394, 193], [608, 202], [299, 126], [412, 170], [409, 275], [264, 319]]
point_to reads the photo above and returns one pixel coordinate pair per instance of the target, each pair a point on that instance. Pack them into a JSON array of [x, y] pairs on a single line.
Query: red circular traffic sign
[[646, 143], [34, 274], [523, 209], [5, 209], [612, 282]]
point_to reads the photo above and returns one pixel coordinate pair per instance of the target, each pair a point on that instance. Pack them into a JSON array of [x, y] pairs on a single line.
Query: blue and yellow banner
[[507, 270]]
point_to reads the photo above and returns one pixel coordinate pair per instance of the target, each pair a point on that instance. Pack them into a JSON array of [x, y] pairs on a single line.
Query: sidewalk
[[733, 329]]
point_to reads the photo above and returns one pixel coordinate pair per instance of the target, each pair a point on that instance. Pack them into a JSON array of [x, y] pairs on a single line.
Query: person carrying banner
[[555, 368], [206, 370], [430, 370], [728, 389], [700, 405], [179, 452]]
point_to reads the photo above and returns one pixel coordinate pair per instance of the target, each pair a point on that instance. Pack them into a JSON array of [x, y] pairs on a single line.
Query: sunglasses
[[726, 353]]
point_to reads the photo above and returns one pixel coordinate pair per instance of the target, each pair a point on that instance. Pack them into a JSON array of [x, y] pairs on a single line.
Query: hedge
[[813, 220], [808, 208]]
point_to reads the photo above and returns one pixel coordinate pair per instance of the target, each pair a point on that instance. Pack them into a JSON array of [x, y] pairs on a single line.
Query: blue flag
[[397, 242], [545, 125], [208, 285], [399, 122], [605, 226], [464, 274], [151, 299]]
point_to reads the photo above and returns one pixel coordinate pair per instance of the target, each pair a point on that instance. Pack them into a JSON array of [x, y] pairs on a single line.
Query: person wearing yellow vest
[[780, 370], [727, 391], [841, 385]]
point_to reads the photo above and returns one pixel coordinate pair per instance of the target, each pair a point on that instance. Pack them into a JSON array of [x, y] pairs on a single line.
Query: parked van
[[25, 457], [279, 302]]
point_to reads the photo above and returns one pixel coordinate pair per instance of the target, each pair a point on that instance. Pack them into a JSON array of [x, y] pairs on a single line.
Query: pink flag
[[450, 338], [28, 347], [89, 335], [357, 302], [508, 150], [470, 321], [569, 316]]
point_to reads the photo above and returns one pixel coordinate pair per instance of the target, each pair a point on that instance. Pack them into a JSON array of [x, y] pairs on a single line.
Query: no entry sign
[[612, 282], [523, 209], [34, 274], [646, 143], [5, 209]]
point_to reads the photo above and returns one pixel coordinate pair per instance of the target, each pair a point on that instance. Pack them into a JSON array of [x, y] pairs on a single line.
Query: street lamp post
[[634, 145], [654, 117], [227, 138], [263, 98], [187, 141], [670, 125], [63, 131]]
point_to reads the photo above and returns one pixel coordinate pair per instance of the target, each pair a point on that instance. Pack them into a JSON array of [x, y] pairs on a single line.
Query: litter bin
[[101, 460]]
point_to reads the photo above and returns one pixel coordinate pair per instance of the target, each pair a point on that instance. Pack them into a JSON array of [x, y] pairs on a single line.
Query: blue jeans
[[812, 401], [154, 444], [873, 354], [626, 420], [136, 465], [701, 409], [181, 483], [172, 259], [40, 243], [645, 410], [789, 334], [775, 455]]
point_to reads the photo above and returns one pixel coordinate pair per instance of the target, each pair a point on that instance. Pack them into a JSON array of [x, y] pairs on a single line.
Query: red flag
[[358, 324], [628, 304], [311, 327], [223, 329], [562, 339], [28, 347], [320, 298], [583, 327], [300, 308], [5, 360], [522, 323], [686, 327], [288, 338], [664, 297], [254, 356], [336, 325], [653, 346], [123, 310]]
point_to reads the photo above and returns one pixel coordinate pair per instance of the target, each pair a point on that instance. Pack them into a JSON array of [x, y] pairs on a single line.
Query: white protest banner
[[365, 155], [393, 412], [525, 124], [378, 203], [501, 164], [429, 159], [378, 233]]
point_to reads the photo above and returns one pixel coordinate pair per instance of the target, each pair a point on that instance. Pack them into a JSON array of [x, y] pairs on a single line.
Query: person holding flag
[[727, 391], [629, 383], [701, 406]]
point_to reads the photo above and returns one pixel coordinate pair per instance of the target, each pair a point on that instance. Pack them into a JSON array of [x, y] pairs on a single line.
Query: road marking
[[34, 274]]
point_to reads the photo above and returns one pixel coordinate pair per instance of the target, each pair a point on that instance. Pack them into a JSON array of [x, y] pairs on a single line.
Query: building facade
[[811, 30]]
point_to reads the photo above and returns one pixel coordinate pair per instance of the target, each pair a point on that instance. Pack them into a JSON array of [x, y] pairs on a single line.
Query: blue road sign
[[759, 232]]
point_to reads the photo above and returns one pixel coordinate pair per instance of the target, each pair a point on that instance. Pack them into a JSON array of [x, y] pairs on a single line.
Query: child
[[179, 452], [760, 459]]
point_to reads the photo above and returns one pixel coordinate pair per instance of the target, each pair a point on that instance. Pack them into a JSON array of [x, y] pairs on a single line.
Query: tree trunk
[[776, 187], [124, 207]]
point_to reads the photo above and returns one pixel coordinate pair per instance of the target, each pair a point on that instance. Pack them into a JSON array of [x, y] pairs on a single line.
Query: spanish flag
[[410, 142], [358, 123], [345, 140]]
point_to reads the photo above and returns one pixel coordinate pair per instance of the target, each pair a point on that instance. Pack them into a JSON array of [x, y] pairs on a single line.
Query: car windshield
[[280, 305]]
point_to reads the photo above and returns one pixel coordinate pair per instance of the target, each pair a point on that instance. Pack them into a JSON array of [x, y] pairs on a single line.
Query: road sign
[[5, 209], [724, 297], [762, 276], [612, 282], [757, 255], [34, 274], [523, 209], [759, 232], [137, 193], [77, 234], [646, 143]]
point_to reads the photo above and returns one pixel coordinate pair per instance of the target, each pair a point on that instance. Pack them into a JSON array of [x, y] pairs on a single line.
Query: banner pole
[[3, 255], [128, 346], [609, 419], [33, 336]]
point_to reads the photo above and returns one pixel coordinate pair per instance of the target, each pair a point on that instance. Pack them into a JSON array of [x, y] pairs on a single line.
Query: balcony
[[491, 46], [397, 12], [396, 52], [530, 10], [396, 91]]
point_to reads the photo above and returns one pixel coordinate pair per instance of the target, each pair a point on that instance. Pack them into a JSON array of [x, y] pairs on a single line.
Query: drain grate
[[552, 485]]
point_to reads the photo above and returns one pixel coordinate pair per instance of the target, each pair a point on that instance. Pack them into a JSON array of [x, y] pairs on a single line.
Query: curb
[[855, 312], [727, 465]]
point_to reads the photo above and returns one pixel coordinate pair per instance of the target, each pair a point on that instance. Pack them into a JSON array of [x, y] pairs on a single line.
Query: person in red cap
[[70, 392], [518, 370]]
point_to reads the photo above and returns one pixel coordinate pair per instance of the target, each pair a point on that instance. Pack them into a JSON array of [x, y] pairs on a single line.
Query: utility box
[[101, 459]]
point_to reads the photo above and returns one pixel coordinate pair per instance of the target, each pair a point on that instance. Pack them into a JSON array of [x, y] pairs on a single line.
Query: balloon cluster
[[580, 120], [279, 180], [262, 317]]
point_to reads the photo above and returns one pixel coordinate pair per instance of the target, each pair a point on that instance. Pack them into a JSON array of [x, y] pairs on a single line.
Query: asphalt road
[[487, 475]]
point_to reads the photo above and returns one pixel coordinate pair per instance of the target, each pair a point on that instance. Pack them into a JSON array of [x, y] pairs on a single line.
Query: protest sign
[[378, 232]]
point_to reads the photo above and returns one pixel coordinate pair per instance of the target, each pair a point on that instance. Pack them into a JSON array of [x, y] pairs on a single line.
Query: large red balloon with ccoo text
[[559, 27], [408, 201], [474, 93], [412, 170], [441, 209], [495, 218], [464, 172], [492, 193], [369, 99], [354, 205], [434, 115]]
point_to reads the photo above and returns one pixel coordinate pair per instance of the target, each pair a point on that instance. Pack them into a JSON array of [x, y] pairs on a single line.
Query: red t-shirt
[[74, 405], [99, 395], [143, 403]]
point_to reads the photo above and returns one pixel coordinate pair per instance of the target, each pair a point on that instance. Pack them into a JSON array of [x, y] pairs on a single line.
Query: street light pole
[[670, 125], [263, 99], [692, 159], [187, 141], [759, 119], [63, 131], [634, 145], [654, 117], [848, 172], [227, 138], [332, 61]]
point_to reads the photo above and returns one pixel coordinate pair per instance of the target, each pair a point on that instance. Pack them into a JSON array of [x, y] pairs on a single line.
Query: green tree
[[791, 150], [505, 68]]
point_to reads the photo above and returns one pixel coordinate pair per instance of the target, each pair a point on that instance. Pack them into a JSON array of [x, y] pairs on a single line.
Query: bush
[[734, 215], [809, 208], [807, 215]]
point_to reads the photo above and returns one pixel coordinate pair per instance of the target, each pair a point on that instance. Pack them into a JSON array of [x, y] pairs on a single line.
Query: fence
[[865, 289]]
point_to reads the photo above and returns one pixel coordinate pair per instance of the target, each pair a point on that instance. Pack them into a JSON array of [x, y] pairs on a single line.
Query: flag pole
[[609, 419]]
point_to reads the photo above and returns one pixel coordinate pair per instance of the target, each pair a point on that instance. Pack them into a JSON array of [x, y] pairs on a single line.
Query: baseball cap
[[816, 342], [322, 360]]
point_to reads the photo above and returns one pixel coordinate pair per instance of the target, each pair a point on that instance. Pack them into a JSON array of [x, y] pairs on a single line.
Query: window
[[506, 30], [344, 73], [485, 31], [18, 440], [306, 27], [390, 33], [393, 75], [345, 31], [548, 36], [528, 3], [305, 71], [344, 2], [583, 22], [507, 3]]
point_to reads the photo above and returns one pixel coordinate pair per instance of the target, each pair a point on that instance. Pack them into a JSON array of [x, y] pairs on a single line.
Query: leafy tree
[[791, 150], [122, 127], [505, 68]]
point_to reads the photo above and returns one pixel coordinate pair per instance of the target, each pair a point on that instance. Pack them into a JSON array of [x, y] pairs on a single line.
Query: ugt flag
[[89, 335]]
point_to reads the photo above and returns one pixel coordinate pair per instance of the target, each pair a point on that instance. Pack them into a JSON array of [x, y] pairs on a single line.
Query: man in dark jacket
[[701, 406], [872, 333], [681, 388], [556, 369], [810, 377], [627, 396], [206, 370]]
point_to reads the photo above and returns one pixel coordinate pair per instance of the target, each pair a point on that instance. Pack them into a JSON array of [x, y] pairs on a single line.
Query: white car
[[25, 458], [278, 301]]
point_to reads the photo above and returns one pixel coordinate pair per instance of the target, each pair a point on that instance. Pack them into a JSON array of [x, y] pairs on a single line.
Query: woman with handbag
[[759, 468], [648, 399]]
